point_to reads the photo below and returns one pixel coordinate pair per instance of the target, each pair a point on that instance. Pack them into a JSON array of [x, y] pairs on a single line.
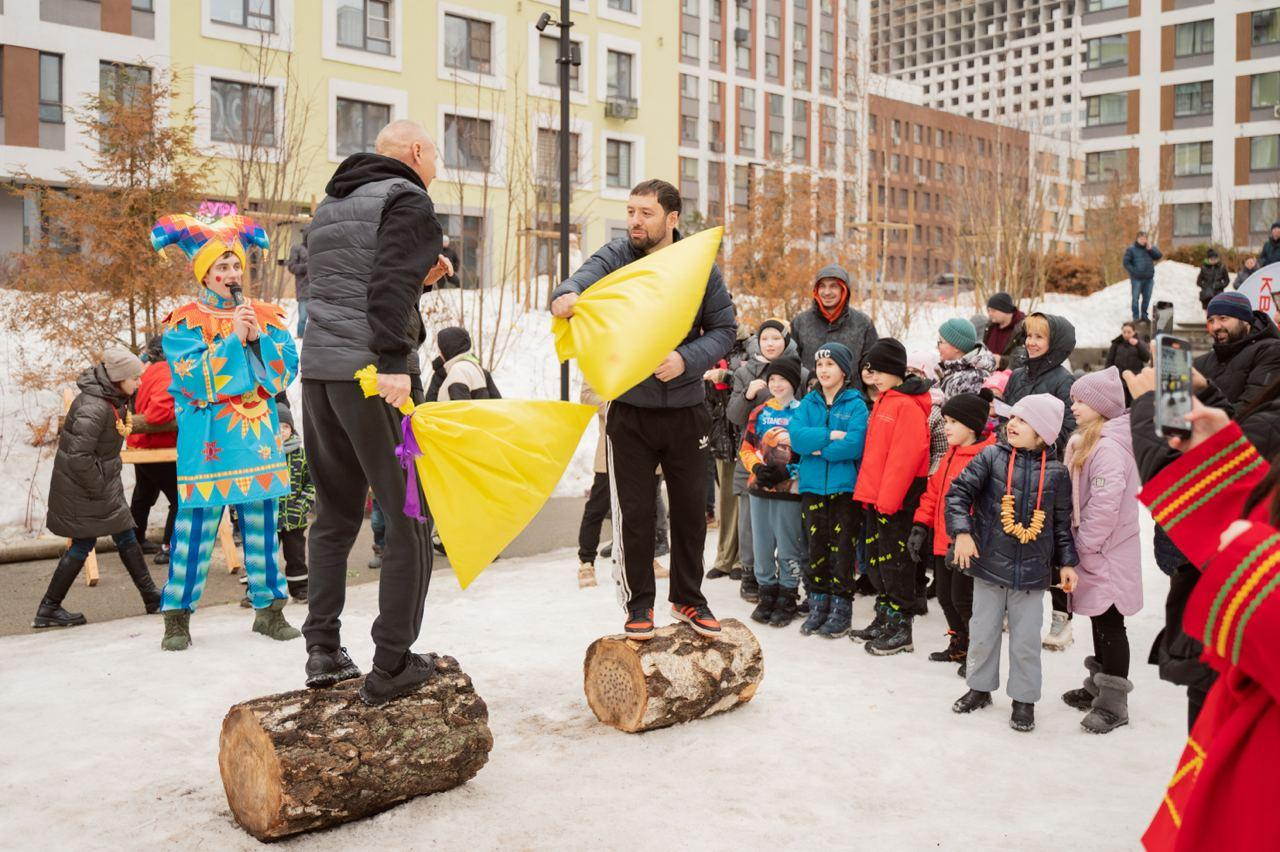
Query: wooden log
[[676, 676], [314, 758]]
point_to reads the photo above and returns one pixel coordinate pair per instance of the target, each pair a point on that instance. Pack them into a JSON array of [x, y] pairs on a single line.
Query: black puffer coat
[[1242, 370], [1047, 375], [86, 496], [1124, 355], [1212, 280], [973, 506]]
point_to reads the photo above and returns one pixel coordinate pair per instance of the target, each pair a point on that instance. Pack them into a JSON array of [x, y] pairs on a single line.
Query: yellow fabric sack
[[487, 466], [629, 320]]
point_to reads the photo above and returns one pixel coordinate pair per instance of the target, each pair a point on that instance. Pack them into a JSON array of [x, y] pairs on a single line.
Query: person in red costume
[[155, 428], [1220, 504]]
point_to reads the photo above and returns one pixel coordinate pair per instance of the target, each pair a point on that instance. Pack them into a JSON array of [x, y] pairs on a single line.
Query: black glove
[[916, 541], [768, 476]]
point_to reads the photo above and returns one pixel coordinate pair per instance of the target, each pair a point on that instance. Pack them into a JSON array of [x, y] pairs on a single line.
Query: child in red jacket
[[893, 477], [964, 419], [155, 428]]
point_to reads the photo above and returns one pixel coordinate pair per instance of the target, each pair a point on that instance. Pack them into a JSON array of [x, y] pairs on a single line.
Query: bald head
[[408, 142]]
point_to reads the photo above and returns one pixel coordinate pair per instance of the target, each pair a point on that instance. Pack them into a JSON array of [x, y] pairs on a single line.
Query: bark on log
[[314, 758], [676, 676]]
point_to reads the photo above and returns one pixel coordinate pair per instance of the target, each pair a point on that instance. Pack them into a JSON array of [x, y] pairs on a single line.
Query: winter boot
[[749, 591], [974, 699], [1059, 638], [949, 654], [837, 623], [381, 686], [270, 621], [1082, 698], [735, 573], [784, 610], [896, 637], [586, 575], [1111, 707], [177, 630], [819, 607], [375, 561], [298, 588], [148, 547], [162, 558], [963, 671], [1023, 717], [325, 668], [50, 613], [768, 599], [876, 627], [136, 564]]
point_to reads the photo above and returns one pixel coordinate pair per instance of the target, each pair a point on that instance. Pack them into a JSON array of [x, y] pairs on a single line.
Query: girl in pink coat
[[1105, 485]]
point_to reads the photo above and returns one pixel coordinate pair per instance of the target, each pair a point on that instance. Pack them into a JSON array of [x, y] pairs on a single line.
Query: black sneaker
[[972, 700], [1023, 717], [716, 574], [380, 686], [162, 558], [326, 668], [895, 638]]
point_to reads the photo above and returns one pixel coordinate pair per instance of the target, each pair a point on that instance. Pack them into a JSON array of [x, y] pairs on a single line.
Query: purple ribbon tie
[[407, 453]]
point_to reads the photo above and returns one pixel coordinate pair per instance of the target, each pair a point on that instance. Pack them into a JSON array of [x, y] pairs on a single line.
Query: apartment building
[[777, 83], [52, 52], [1008, 61], [1181, 106]]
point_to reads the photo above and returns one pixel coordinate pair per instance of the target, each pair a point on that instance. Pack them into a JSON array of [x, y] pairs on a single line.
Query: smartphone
[[1173, 386]]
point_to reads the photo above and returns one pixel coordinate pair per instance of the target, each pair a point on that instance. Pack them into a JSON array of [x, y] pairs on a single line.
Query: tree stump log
[[314, 758], [676, 676]]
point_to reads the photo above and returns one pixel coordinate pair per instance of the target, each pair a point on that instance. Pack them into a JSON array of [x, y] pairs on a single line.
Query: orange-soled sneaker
[[697, 617], [639, 624]]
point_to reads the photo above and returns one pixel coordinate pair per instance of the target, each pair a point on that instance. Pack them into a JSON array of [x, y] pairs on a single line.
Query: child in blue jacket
[[828, 433]]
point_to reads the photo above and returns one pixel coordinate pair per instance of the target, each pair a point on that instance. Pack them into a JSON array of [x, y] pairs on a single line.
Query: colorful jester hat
[[204, 242]]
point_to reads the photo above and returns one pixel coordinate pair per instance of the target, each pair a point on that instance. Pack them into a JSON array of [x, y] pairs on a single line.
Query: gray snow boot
[[1082, 698], [1111, 707]]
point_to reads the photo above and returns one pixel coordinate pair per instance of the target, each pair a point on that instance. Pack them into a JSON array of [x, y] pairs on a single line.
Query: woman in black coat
[[1128, 351], [86, 495]]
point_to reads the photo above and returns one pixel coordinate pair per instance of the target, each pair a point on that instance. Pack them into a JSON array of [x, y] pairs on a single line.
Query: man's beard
[[1232, 336], [645, 243]]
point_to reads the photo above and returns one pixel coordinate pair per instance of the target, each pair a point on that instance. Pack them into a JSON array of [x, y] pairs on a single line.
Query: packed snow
[[111, 743]]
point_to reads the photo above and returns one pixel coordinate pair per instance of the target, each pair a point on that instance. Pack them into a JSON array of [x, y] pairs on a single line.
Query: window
[[1265, 91], [746, 100], [1193, 158], [122, 83], [772, 26], [1193, 220], [1262, 212], [1193, 99], [366, 25], [689, 129], [241, 113], [1264, 153], [917, 134], [549, 156], [358, 125], [619, 74], [1106, 52], [468, 44], [715, 11], [1107, 109], [144, 5], [800, 130], [688, 86], [549, 69], [689, 46], [623, 5], [1193, 39], [252, 14], [1266, 27], [692, 7], [801, 36], [1104, 5], [771, 65], [51, 87], [466, 143], [617, 164], [776, 106], [799, 72]]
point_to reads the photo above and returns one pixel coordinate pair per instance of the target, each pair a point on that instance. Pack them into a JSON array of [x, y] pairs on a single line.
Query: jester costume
[[229, 449]]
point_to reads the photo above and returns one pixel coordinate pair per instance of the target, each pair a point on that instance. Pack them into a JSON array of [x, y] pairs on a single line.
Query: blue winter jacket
[[829, 467], [1140, 261]]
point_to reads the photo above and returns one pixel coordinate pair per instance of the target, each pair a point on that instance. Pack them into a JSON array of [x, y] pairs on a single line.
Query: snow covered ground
[[110, 743]]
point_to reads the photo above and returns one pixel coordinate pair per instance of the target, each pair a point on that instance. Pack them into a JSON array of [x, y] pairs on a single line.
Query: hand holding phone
[[1173, 387]]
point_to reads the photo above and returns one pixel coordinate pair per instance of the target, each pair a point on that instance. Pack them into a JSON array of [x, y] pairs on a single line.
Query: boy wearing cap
[[892, 478], [229, 358], [776, 532], [86, 496], [828, 433], [1212, 278], [1009, 514]]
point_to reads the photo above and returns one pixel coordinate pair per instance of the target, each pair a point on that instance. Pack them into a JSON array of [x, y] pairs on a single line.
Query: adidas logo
[[704, 442]]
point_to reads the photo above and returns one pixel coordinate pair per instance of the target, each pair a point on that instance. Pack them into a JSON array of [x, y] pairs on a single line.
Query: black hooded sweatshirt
[[410, 241]]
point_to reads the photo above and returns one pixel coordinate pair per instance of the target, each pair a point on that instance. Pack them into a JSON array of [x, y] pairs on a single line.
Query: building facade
[[1181, 107]]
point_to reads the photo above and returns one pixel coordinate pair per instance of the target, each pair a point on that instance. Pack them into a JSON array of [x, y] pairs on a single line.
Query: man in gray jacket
[[374, 244], [830, 318], [660, 422]]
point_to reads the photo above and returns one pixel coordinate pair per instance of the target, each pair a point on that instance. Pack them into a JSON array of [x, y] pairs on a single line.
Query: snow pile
[[864, 751]]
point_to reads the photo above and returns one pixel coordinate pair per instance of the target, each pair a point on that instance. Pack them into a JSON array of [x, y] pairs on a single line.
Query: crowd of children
[[1034, 491]]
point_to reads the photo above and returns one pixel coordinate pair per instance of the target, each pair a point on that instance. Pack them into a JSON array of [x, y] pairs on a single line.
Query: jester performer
[[229, 359]]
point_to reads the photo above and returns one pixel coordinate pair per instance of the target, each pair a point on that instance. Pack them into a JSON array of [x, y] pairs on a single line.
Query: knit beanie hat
[[285, 414], [775, 323], [1043, 412], [888, 356], [788, 367], [971, 409], [121, 364], [1102, 391], [1002, 302], [839, 353], [452, 342], [924, 362], [960, 333], [998, 381], [1231, 304]]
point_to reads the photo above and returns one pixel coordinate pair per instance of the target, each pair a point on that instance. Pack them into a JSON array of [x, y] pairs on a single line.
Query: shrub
[[1072, 274]]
